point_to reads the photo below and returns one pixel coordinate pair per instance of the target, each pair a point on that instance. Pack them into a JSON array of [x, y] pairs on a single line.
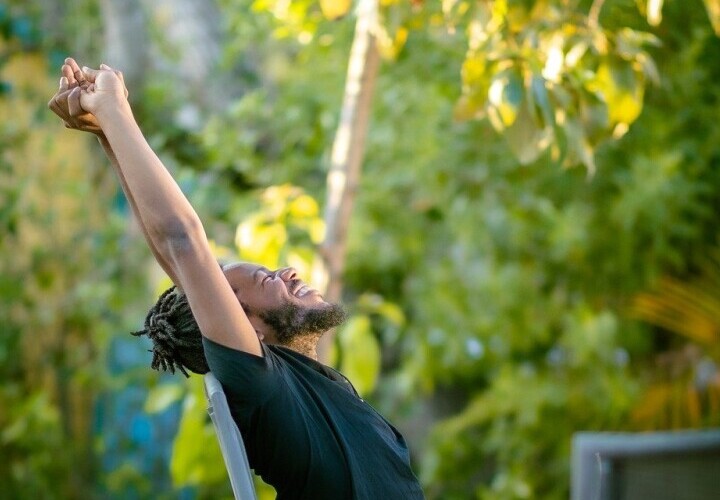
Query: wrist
[[109, 114]]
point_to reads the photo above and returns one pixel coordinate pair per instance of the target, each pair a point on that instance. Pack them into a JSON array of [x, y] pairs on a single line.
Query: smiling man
[[306, 430], [282, 309]]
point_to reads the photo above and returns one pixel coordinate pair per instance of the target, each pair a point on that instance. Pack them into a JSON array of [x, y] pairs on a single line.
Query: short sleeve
[[247, 378]]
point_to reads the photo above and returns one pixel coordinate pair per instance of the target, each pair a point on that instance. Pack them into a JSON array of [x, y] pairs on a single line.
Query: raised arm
[[74, 118], [171, 225]]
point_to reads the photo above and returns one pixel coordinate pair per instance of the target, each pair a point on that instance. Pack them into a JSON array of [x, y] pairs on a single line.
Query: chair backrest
[[680, 465], [231, 443]]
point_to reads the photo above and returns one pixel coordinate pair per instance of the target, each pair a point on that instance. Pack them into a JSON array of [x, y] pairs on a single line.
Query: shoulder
[[243, 375], [219, 353]]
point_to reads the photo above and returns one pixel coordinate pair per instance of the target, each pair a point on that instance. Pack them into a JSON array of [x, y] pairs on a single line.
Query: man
[[306, 430]]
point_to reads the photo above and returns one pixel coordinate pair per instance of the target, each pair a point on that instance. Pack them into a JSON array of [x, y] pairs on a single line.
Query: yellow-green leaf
[[333, 9], [360, 354], [654, 12], [713, 10], [162, 396], [196, 457], [505, 96], [303, 206], [621, 90], [526, 140]]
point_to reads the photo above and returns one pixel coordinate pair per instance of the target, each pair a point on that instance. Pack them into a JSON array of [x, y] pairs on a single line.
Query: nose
[[288, 273]]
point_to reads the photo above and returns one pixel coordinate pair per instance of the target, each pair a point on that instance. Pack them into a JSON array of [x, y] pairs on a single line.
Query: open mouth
[[300, 289]]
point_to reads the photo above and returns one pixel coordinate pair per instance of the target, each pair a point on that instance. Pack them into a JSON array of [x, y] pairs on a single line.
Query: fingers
[[53, 105], [73, 102], [66, 103], [67, 107], [58, 102], [119, 75], [68, 74], [89, 73], [85, 77], [76, 72]]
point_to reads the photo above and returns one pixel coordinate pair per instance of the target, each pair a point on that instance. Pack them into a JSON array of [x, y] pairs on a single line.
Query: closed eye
[[264, 272]]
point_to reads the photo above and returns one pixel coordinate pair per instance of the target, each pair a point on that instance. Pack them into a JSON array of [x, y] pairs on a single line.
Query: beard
[[292, 321]]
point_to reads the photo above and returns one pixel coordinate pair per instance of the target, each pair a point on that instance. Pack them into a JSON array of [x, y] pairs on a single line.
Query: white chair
[[231, 443]]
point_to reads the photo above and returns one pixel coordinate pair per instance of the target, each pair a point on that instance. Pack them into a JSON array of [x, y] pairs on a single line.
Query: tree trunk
[[347, 154]]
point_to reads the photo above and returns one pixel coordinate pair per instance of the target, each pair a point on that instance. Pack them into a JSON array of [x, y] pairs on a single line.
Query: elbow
[[180, 236]]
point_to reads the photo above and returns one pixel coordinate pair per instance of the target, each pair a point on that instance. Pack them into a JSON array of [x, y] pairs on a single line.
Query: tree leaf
[[539, 102], [621, 90], [526, 140], [196, 457], [713, 10], [654, 12], [360, 354], [505, 95], [161, 397], [334, 9]]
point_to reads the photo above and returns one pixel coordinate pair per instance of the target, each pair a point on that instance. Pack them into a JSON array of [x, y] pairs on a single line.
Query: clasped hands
[[83, 92]]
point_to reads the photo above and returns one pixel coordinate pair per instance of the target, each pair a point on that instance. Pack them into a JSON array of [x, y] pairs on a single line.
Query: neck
[[304, 344]]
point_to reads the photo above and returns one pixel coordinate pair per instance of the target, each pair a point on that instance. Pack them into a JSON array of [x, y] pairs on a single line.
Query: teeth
[[304, 290]]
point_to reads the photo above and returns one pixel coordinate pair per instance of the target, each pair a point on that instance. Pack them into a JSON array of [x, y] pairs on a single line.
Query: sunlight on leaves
[[713, 10], [334, 9], [654, 12], [284, 230], [196, 457], [162, 396], [621, 90], [360, 354]]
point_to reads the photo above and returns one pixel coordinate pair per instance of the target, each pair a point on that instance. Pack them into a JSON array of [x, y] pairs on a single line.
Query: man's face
[[278, 304]]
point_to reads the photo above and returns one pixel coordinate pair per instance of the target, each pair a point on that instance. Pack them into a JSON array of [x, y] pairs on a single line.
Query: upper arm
[[213, 303], [249, 379]]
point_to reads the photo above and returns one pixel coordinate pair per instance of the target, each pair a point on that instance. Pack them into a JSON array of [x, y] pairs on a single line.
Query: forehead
[[243, 270]]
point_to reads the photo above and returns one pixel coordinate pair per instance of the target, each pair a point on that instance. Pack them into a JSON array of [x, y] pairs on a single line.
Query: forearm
[[131, 200], [158, 201]]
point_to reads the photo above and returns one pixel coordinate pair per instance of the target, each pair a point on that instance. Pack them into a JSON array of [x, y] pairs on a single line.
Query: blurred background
[[533, 247]]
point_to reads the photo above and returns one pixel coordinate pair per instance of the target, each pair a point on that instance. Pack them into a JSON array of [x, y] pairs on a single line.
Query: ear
[[259, 325]]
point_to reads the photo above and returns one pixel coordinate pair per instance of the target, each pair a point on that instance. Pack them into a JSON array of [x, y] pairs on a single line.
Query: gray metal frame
[[593, 454], [231, 443]]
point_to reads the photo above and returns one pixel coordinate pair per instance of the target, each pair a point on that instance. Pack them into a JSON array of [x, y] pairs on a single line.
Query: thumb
[[118, 74], [90, 73], [74, 106]]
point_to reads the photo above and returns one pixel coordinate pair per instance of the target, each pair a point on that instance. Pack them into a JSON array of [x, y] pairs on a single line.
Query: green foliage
[[31, 439], [582, 382], [283, 232], [490, 288], [196, 457], [515, 280], [161, 397], [549, 78], [58, 257], [360, 361], [686, 393]]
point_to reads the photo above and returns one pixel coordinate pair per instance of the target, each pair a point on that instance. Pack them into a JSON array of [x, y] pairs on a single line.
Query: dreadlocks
[[176, 338]]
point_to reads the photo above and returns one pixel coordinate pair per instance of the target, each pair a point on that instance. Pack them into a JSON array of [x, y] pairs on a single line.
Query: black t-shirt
[[306, 430]]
